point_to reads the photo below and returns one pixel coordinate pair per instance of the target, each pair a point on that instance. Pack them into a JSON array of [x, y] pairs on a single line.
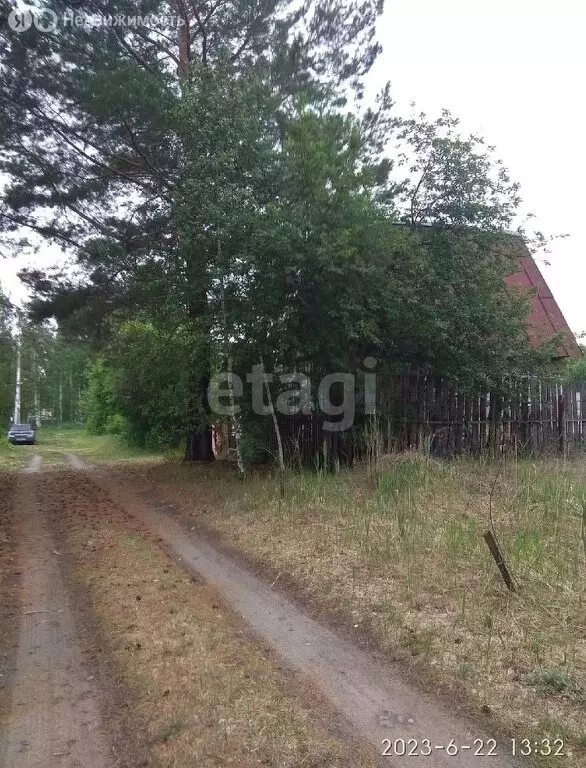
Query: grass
[[552, 681], [399, 553], [207, 693], [14, 456], [54, 442], [169, 731]]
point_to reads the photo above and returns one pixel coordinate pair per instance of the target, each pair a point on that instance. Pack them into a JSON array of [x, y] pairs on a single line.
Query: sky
[[512, 71]]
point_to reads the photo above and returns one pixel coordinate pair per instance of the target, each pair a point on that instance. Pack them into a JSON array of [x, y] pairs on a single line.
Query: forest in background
[[54, 370]]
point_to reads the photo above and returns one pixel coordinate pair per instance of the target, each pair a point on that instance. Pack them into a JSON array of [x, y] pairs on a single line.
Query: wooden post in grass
[[499, 559]]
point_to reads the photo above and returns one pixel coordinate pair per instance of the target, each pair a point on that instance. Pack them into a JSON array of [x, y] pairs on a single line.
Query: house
[[546, 319]]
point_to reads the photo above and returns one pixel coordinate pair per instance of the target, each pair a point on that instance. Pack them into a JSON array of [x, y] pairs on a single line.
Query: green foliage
[[453, 181], [52, 369], [116, 424], [156, 253], [401, 479], [7, 360], [266, 218], [552, 681], [577, 368], [53, 373], [139, 389], [100, 399], [170, 731], [254, 440], [54, 442], [319, 46], [470, 326]]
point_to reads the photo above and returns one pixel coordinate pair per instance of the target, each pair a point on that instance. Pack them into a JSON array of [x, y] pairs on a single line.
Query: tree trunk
[[17, 390], [234, 419], [199, 446], [277, 432], [36, 397], [73, 415]]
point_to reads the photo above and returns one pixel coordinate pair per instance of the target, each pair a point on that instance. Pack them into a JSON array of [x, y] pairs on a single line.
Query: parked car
[[22, 434]]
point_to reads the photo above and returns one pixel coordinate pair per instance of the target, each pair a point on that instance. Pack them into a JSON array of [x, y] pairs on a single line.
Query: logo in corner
[[46, 22], [19, 20]]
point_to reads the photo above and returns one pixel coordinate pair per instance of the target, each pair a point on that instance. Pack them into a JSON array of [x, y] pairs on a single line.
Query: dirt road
[[373, 697], [52, 716]]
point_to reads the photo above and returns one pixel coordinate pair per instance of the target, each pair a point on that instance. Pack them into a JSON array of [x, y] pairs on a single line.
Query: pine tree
[[91, 135]]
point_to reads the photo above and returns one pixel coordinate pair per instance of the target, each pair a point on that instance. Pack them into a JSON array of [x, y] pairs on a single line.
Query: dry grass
[[207, 692], [9, 582], [400, 553]]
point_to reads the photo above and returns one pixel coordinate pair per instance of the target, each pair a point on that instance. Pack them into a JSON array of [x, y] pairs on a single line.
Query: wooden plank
[[525, 428], [561, 421]]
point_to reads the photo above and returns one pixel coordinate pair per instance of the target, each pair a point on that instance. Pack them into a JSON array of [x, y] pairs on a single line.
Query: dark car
[[22, 434]]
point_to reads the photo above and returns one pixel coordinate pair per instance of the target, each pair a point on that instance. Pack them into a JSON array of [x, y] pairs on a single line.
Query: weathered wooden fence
[[419, 411], [535, 417]]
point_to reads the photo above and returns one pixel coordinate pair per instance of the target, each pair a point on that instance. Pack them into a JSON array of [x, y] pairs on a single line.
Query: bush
[[100, 398], [577, 368], [116, 424], [254, 441], [552, 681], [159, 439]]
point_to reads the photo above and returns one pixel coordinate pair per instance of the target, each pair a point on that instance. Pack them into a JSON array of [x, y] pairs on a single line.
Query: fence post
[[499, 559]]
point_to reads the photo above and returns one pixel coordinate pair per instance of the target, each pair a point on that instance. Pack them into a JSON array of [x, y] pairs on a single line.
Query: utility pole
[[17, 390]]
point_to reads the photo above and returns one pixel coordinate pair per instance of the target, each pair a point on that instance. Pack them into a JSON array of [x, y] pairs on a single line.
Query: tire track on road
[[370, 695], [53, 718]]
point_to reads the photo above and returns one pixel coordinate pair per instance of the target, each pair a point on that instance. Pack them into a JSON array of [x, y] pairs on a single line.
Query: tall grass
[[396, 545], [404, 537]]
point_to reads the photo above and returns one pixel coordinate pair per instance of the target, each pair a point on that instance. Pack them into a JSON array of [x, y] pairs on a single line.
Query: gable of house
[[546, 319]]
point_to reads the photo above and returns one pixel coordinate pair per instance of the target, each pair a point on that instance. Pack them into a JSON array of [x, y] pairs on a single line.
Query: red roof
[[546, 319]]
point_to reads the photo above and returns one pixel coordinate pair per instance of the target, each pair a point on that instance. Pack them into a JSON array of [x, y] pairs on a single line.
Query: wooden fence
[[535, 417], [420, 411]]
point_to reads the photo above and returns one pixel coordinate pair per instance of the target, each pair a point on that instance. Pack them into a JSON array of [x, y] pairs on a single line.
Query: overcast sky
[[512, 70]]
